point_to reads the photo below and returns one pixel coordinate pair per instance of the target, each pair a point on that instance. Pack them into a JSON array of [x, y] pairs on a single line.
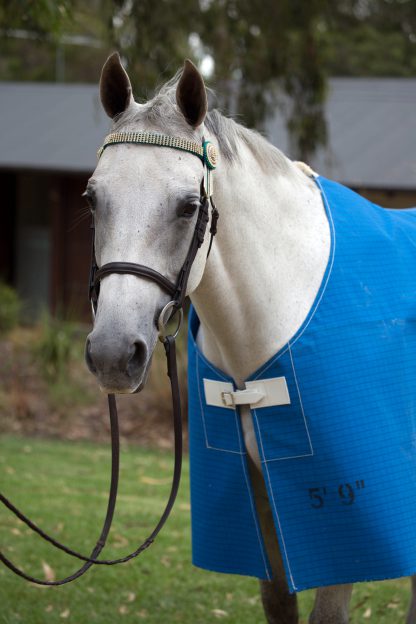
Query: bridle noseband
[[177, 292]]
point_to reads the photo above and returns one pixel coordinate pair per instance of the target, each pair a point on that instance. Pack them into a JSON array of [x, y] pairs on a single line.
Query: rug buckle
[[241, 397]]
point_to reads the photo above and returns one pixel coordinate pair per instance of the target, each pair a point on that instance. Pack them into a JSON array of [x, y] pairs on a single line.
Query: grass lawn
[[63, 487]]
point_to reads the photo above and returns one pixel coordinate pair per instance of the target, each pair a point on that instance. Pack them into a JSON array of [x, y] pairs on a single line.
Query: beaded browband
[[206, 151]]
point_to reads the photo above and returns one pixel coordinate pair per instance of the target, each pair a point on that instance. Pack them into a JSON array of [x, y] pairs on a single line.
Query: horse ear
[[191, 95], [115, 87]]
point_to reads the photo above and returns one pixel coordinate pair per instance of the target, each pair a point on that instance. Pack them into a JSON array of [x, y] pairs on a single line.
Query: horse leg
[[411, 616], [280, 607], [331, 605]]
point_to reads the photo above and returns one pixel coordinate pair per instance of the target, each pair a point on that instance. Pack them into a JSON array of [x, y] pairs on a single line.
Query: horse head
[[145, 201]]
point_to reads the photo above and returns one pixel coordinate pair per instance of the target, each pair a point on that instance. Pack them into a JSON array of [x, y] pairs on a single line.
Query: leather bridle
[[177, 292]]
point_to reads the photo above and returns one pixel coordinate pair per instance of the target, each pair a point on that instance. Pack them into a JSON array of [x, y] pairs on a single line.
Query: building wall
[[8, 181], [71, 249], [33, 242], [45, 241], [390, 199]]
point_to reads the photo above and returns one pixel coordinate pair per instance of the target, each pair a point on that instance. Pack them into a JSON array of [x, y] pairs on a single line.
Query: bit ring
[[164, 318]]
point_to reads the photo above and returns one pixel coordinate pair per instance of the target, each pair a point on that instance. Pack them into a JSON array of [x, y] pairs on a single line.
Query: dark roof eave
[[59, 169]]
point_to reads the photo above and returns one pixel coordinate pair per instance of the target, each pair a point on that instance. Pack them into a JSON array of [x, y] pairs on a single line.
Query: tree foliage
[[39, 16], [371, 37], [153, 37], [266, 45], [260, 49]]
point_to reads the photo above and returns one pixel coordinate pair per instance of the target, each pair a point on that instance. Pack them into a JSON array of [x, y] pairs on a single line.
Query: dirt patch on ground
[[72, 406]]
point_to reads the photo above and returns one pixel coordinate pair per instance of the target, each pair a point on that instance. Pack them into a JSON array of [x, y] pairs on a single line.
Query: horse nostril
[[138, 359], [88, 357]]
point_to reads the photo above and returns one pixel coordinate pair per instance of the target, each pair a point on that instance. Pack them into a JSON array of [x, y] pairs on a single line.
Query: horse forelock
[[162, 114]]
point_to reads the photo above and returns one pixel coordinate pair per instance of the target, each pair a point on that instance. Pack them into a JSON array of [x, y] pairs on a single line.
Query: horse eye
[[187, 208], [89, 199]]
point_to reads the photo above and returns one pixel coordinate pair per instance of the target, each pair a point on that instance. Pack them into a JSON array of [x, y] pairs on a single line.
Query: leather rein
[[177, 291]]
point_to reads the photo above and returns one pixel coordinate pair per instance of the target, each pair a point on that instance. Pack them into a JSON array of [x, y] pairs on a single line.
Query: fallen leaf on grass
[[49, 608], [367, 613], [120, 541], [131, 597], [185, 507], [123, 610], [163, 465], [392, 605], [65, 614], [142, 614], [152, 481], [219, 613], [362, 602], [15, 531], [10, 470], [48, 571]]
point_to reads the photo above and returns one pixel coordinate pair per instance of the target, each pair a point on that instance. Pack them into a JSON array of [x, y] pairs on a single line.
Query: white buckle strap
[[241, 397], [257, 394]]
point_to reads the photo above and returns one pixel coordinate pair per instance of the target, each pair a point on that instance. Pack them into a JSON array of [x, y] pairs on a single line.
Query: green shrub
[[55, 347], [10, 307]]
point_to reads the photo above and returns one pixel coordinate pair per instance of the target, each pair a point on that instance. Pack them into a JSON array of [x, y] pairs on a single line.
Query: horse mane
[[162, 113]]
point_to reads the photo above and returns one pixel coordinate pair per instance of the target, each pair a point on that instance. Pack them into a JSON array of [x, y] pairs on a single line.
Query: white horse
[[252, 295]]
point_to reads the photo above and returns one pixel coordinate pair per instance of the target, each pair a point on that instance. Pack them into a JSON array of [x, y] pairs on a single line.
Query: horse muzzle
[[120, 364]]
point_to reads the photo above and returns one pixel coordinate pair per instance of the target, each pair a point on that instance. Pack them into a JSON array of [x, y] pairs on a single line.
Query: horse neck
[[266, 264]]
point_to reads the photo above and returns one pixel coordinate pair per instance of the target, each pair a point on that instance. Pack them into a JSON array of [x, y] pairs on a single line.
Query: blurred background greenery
[[252, 50], [260, 56]]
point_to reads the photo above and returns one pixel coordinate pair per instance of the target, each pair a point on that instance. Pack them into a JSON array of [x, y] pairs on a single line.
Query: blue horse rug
[[338, 451]]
